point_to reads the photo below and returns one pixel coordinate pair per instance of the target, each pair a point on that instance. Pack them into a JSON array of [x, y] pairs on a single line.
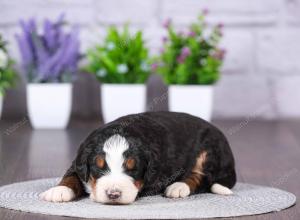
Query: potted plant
[[190, 63], [121, 64], [49, 62], [7, 73]]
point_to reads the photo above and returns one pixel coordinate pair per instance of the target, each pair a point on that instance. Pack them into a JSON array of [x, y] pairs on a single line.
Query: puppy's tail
[[221, 190]]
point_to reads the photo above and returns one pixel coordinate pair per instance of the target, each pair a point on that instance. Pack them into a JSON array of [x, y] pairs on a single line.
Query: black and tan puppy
[[147, 154]]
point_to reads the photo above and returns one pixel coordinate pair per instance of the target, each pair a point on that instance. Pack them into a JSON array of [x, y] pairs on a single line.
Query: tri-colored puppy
[[147, 154]]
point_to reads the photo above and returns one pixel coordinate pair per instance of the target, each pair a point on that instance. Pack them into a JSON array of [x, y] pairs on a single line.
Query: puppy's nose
[[113, 194]]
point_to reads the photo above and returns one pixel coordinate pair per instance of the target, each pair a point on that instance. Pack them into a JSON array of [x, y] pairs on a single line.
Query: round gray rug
[[247, 200]]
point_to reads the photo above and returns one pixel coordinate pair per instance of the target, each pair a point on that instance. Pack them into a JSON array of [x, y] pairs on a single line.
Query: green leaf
[[119, 47], [8, 75]]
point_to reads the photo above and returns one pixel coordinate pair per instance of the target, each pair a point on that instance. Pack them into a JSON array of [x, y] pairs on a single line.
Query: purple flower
[[167, 23], [154, 66], [185, 51], [162, 50], [219, 54], [164, 39], [205, 11], [220, 25], [180, 59], [49, 57], [25, 50], [191, 34]]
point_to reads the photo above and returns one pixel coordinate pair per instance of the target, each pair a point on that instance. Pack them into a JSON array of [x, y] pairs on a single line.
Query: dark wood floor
[[266, 153]]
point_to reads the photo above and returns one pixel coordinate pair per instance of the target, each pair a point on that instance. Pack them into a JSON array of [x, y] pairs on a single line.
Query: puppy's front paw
[[58, 194], [178, 189]]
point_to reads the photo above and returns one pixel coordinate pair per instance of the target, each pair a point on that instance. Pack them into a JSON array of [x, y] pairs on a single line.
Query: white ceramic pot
[[1, 104], [193, 99], [122, 99], [49, 105]]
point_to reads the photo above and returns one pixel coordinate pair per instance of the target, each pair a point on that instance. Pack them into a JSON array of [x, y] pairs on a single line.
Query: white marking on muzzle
[[115, 179]]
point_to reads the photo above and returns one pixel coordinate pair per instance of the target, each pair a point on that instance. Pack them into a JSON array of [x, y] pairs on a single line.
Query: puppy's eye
[[130, 163], [100, 161]]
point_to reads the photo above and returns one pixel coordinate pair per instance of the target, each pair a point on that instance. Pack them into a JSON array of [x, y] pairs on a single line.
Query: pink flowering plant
[[190, 58]]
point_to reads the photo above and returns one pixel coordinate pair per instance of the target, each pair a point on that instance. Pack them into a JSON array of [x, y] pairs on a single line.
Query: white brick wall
[[278, 51], [243, 96], [240, 51], [230, 12], [117, 11], [77, 12], [287, 93], [261, 73], [292, 11]]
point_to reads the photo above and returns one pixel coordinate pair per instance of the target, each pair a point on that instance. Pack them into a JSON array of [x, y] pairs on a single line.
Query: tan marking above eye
[[130, 163], [100, 161]]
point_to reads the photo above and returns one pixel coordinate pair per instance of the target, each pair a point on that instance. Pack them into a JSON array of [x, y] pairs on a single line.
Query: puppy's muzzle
[[113, 194]]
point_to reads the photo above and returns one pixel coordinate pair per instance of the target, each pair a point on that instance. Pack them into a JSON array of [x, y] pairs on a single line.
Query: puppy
[[148, 154]]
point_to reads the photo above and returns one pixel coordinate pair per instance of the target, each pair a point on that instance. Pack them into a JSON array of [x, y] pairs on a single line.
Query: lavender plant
[[190, 58], [7, 73], [51, 56]]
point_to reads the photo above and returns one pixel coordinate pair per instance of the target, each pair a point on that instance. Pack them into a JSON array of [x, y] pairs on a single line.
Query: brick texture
[[278, 51], [119, 12], [76, 13], [239, 45], [229, 12], [287, 93], [243, 96], [292, 14]]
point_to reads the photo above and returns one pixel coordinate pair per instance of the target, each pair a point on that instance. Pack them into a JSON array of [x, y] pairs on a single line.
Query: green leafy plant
[[190, 58], [7, 73], [122, 58]]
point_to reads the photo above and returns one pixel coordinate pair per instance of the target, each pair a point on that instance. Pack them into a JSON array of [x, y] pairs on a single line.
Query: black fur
[[165, 145]]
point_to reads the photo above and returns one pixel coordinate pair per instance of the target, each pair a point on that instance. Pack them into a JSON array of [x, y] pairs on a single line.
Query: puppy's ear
[[81, 163], [151, 170]]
